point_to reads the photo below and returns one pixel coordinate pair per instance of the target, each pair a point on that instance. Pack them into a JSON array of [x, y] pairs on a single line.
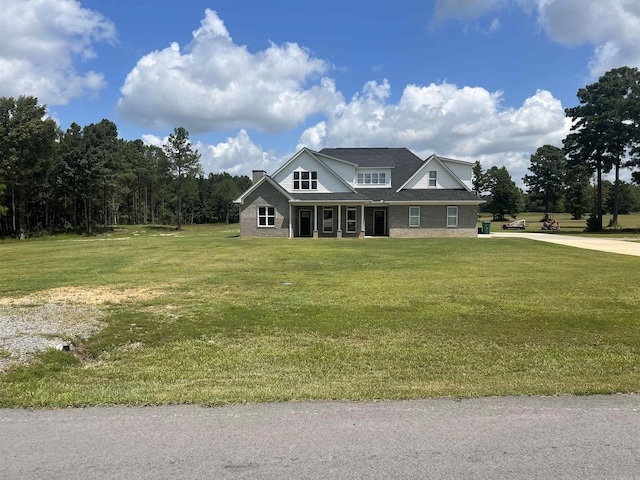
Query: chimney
[[257, 175]]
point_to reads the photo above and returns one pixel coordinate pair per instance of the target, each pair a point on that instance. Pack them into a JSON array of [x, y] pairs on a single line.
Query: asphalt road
[[506, 437]]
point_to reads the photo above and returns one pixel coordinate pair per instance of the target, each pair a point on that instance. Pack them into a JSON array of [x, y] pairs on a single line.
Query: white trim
[[268, 179], [424, 167], [414, 216], [456, 216], [314, 154], [355, 221], [266, 216]]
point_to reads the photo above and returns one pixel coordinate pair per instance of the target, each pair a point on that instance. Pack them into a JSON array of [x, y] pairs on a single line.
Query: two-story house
[[358, 192]]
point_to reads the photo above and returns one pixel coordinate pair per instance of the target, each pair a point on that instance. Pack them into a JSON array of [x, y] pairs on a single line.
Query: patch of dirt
[[86, 296], [51, 318]]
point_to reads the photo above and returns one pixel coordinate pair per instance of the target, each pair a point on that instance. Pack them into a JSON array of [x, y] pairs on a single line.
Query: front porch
[[338, 221]]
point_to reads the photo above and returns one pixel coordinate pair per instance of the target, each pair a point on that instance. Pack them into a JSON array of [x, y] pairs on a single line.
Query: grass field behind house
[[221, 319], [569, 226]]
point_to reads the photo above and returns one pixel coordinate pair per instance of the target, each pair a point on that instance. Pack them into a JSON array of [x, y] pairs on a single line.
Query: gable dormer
[[307, 173], [436, 173]]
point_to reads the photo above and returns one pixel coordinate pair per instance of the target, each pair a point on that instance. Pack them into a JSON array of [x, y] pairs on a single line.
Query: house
[[358, 192]]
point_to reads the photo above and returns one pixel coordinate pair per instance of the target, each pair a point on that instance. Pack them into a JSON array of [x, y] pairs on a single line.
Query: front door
[[379, 222], [306, 227]]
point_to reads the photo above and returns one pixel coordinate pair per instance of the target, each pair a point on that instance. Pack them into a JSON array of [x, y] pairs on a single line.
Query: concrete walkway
[[621, 247]]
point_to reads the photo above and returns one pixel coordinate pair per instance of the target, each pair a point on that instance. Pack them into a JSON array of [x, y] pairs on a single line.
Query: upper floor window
[[303, 180], [433, 178], [372, 178]]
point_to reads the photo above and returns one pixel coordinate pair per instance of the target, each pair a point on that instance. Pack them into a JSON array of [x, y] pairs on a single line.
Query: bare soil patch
[[47, 319]]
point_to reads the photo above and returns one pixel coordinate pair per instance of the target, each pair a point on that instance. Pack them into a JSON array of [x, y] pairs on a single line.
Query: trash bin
[[486, 228]]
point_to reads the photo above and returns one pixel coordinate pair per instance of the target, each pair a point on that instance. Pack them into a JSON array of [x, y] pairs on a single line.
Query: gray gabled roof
[[402, 160], [420, 195]]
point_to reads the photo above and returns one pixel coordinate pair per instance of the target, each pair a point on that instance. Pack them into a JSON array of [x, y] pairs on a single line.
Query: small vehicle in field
[[515, 225]]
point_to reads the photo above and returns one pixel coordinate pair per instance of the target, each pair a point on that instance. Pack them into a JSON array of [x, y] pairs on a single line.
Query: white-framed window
[[414, 216], [452, 217], [352, 214], [372, 178], [433, 178], [304, 180], [266, 216], [327, 219]]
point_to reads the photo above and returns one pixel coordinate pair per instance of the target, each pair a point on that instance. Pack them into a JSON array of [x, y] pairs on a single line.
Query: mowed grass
[[238, 320], [628, 225]]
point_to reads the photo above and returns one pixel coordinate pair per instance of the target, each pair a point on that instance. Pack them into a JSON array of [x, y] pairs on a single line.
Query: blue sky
[[253, 81]]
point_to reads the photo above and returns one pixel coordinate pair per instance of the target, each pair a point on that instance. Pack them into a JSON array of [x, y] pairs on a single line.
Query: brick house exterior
[[358, 192]]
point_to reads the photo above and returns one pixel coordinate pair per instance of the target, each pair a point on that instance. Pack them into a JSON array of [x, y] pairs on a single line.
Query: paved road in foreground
[[498, 438], [609, 245]]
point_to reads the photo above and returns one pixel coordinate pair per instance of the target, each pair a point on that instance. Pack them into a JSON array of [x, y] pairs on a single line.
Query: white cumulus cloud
[[612, 27], [468, 123], [41, 44], [214, 84]]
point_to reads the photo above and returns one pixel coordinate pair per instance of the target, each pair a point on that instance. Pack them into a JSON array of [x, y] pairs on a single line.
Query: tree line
[[604, 138], [85, 177]]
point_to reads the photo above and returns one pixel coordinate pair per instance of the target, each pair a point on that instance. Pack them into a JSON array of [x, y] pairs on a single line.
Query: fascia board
[[296, 155], [424, 166], [332, 172], [264, 179]]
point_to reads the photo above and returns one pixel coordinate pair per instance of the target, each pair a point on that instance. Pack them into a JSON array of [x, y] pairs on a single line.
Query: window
[[372, 178], [266, 216], [327, 220], [414, 216], [433, 178], [452, 217], [351, 219], [303, 180]]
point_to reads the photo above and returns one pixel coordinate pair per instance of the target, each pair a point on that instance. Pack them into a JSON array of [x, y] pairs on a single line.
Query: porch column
[[339, 232], [315, 221], [290, 223], [362, 221]]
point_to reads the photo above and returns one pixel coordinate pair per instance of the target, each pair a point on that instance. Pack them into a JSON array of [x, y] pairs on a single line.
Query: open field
[[204, 317], [569, 226]]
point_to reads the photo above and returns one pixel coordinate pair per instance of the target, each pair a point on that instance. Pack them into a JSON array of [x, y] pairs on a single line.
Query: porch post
[[362, 221], [290, 223], [339, 232], [315, 221]]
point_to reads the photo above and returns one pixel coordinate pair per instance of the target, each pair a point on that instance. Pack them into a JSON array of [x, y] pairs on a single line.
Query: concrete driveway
[[622, 247]]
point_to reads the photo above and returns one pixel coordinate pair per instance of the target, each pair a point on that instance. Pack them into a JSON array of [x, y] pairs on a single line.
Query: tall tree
[[578, 192], [605, 127], [183, 163], [27, 138], [506, 197], [547, 179], [479, 178]]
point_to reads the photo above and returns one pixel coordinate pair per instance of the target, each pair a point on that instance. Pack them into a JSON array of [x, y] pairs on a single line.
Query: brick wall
[[265, 194]]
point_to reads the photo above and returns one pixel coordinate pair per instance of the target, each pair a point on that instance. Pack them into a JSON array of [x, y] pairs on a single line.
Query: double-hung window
[[351, 219], [303, 180], [266, 216], [414, 216], [433, 178], [327, 220], [452, 217]]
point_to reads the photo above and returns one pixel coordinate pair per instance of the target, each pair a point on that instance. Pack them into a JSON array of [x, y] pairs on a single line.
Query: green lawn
[[205, 317], [569, 226]]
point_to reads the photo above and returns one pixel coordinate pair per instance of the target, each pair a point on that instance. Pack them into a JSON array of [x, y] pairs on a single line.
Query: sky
[[253, 81]]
